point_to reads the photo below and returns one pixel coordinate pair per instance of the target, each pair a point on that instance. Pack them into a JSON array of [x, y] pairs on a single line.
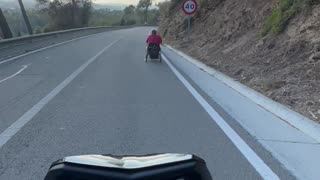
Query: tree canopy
[[66, 14], [53, 15], [145, 4]]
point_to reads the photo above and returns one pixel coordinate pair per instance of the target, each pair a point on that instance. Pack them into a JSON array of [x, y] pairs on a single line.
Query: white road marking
[[259, 165], [293, 118], [7, 134], [13, 75], [44, 48]]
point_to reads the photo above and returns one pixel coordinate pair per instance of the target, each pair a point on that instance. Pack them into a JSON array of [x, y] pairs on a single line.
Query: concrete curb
[[286, 114]]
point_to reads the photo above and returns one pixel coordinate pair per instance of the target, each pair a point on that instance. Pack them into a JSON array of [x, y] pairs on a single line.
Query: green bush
[[37, 30], [282, 14], [272, 23], [131, 22], [105, 17]]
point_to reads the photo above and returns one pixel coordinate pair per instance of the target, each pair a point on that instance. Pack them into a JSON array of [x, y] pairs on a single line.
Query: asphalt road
[[8, 50], [118, 104]]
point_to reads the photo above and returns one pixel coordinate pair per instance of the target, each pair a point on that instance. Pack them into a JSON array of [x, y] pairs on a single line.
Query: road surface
[[109, 101]]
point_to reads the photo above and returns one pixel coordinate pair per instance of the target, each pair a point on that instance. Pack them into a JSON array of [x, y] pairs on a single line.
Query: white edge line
[[47, 47], [302, 123], [258, 164], [15, 74], [293, 170], [7, 134]]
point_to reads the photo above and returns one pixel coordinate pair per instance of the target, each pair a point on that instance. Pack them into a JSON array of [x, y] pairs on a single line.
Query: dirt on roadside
[[225, 36]]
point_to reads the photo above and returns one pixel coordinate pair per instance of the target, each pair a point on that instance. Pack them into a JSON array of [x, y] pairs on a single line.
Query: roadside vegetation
[[53, 15], [226, 35], [283, 12]]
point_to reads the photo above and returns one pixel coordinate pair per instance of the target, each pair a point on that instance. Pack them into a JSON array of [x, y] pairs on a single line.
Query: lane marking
[[47, 47], [13, 75], [257, 163], [289, 116], [7, 134]]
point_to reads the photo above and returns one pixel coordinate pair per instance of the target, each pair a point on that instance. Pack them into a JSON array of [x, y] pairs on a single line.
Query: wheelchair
[[153, 52]]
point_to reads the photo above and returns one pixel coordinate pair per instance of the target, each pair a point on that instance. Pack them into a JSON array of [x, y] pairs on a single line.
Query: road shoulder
[[275, 134]]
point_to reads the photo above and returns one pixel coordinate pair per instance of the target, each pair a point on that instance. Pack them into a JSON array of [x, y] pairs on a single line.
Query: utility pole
[[4, 27], [25, 17], [73, 13]]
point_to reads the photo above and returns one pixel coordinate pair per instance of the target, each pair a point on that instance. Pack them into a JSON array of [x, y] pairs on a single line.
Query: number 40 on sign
[[189, 7]]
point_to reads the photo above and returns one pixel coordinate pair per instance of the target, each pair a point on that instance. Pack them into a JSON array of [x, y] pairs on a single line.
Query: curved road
[[97, 95]]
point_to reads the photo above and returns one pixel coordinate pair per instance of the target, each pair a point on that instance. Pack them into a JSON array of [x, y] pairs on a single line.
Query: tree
[[164, 8], [129, 10], [129, 16], [153, 15], [145, 4], [122, 22], [38, 19], [15, 22], [140, 15], [66, 14], [86, 12], [106, 17]]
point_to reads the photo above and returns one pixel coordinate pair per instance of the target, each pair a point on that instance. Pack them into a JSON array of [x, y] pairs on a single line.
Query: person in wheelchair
[[154, 41]]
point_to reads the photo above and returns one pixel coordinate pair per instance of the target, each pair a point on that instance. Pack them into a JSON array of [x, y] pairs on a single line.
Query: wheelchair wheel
[[146, 58], [160, 58]]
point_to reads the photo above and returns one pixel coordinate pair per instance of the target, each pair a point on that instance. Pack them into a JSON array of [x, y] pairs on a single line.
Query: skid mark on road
[[15, 74]]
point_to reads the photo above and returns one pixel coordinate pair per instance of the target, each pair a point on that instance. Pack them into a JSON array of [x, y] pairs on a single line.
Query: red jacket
[[154, 39]]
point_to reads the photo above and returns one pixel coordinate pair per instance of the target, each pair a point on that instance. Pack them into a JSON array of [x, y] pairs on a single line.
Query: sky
[[134, 2]]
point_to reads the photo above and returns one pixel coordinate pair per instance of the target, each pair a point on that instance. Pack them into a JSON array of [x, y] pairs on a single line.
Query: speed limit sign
[[189, 7]]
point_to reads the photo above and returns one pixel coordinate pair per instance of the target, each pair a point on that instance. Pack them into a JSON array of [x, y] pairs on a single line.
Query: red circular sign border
[[195, 9]]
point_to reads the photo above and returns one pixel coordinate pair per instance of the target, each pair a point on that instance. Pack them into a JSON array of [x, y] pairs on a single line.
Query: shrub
[[38, 30], [282, 14], [131, 22]]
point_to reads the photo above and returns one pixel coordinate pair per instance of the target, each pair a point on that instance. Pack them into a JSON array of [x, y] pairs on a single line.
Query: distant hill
[[13, 4], [115, 6], [109, 6]]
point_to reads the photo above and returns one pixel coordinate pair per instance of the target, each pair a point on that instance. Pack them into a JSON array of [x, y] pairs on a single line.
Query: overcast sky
[[134, 2]]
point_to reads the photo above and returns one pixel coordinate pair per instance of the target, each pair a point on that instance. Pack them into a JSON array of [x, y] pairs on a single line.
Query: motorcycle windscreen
[[130, 162], [105, 167]]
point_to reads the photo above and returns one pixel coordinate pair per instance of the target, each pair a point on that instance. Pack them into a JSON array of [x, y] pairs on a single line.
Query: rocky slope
[[226, 36]]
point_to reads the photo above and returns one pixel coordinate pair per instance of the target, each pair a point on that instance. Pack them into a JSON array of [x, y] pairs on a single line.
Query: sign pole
[[189, 7], [189, 19]]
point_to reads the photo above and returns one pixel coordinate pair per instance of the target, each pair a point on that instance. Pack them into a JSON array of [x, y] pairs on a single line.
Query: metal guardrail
[[17, 46], [36, 37]]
